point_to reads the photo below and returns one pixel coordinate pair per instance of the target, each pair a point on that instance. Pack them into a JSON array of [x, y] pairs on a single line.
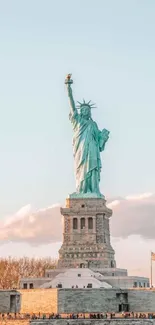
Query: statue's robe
[[88, 142]]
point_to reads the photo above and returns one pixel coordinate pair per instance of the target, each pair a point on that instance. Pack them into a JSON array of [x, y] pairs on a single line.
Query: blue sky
[[109, 48]]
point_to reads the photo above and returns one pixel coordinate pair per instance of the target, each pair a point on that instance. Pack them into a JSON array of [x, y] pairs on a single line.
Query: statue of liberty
[[88, 142]]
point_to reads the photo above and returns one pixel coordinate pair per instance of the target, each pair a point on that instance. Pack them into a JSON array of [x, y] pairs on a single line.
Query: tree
[[13, 269]]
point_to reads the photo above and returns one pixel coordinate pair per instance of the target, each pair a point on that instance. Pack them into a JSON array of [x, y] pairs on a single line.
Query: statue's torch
[[68, 79]]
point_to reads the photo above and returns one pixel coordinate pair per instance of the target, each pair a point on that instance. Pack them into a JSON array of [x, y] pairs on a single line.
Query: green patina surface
[[88, 143]]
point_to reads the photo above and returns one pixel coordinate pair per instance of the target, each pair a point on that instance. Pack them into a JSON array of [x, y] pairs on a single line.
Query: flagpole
[[151, 269]]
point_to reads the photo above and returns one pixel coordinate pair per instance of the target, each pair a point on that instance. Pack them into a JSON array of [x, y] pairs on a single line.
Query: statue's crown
[[89, 104]]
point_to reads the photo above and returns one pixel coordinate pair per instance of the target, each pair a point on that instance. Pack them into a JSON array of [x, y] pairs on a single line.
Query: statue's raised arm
[[68, 82]]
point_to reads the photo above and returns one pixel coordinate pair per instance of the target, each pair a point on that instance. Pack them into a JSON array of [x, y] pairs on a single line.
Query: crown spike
[[89, 104]]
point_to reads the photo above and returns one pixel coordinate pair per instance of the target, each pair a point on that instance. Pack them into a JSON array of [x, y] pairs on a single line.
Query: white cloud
[[33, 226], [113, 204], [139, 197], [19, 215], [133, 215]]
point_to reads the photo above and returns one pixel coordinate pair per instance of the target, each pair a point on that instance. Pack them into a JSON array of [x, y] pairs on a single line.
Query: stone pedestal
[[86, 237]]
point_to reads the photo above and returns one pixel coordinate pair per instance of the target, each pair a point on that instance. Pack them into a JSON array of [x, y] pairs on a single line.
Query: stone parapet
[[106, 300], [10, 301], [93, 322], [101, 300], [91, 300]]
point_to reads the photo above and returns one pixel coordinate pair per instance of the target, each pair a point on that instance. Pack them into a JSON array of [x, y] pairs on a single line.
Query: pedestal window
[[82, 223], [90, 223], [75, 223]]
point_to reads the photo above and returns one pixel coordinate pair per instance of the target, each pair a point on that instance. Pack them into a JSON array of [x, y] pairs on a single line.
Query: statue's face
[[86, 112]]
